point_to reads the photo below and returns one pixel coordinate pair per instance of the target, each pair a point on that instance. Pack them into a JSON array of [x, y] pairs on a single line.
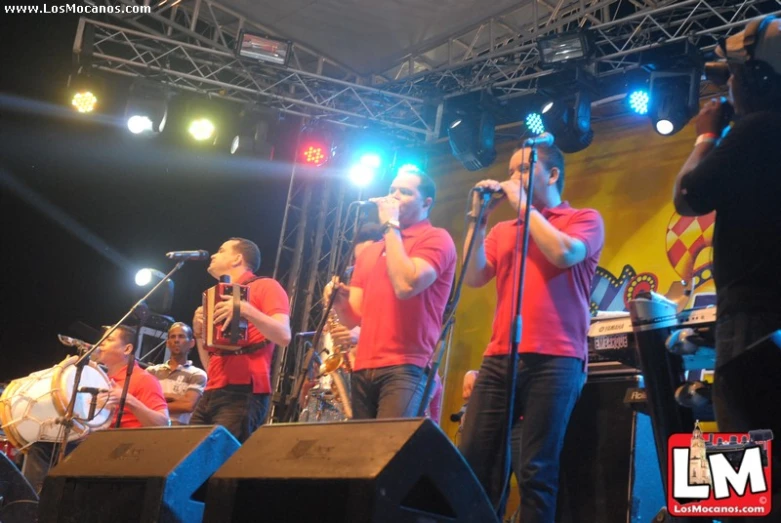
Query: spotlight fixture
[[202, 129], [147, 108], [569, 120], [364, 171], [534, 123], [563, 49], [256, 125], [674, 99], [263, 48], [163, 301], [471, 139], [638, 101], [315, 145], [85, 92]]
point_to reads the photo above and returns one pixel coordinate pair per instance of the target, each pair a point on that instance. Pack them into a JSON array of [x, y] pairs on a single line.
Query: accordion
[[236, 334]]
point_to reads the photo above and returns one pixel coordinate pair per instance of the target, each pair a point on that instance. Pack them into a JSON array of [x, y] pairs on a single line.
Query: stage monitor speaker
[[751, 384], [394, 471], [136, 475], [609, 470], [18, 501]]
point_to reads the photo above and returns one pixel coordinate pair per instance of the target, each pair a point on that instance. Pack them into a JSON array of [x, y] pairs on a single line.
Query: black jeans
[[235, 407], [387, 392], [547, 389], [734, 334]]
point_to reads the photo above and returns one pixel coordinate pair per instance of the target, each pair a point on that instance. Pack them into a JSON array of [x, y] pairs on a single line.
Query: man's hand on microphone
[[491, 186], [387, 209], [515, 193]]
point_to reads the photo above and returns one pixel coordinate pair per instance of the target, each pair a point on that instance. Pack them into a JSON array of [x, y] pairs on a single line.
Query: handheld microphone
[[188, 255], [365, 203], [488, 190], [543, 139], [73, 342]]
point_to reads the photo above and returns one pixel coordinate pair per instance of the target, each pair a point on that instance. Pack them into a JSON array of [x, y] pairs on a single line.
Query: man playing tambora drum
[[145, 405]]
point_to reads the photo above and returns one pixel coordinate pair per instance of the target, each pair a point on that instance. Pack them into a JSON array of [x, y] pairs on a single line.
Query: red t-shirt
[[555, 307], [145, 387], [268, 296], [394, 331]]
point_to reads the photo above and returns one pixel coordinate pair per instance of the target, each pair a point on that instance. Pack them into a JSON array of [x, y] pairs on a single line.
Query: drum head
[[93, 377]]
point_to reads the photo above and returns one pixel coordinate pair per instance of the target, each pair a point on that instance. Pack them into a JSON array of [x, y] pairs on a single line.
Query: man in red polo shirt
[[238, 392], [145, 405], [563, 254], [398, 292]]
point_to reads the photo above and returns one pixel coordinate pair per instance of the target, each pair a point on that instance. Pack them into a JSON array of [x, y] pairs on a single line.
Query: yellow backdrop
[[627, 174]]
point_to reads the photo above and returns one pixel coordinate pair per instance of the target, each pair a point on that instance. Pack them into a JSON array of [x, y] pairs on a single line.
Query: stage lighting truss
[[674, 99], [147, 108], [256, 127], [569, 120], [471, 137]]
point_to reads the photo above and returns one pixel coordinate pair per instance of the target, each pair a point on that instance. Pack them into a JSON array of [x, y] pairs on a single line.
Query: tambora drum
[[30, 407]]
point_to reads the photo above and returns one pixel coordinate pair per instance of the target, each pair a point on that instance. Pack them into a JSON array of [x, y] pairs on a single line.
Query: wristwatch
[[391, 224]]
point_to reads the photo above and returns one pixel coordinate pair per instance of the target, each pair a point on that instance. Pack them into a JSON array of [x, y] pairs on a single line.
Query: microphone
[[488, 190], [456, 416], [365, 203], [73, 342], [188, 255], [91, 390], [543, 139]]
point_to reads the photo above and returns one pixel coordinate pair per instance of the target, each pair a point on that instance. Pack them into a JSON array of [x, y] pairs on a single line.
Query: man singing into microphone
[[238, 392], [564, 249], [738, 177], [398, 293]]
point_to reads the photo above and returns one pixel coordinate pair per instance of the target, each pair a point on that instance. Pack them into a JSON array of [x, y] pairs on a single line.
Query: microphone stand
[[516, 329], [67, 420], [450, 313]]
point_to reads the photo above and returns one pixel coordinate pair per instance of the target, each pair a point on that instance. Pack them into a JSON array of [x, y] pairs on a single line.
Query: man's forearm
[[557, 246], [203, 354], [146, 416], [274, 330], [347, 316], [401, 268], [478, 273], [698, 153]]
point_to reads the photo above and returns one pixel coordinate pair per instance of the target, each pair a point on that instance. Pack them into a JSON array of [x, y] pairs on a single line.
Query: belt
[[249, 349]]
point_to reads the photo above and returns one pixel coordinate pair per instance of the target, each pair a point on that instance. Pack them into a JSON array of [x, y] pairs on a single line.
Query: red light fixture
[[313, 154]]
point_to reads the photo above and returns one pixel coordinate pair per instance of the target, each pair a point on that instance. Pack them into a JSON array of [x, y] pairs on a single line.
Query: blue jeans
[[235, 407], [547, 389], [387, 392]]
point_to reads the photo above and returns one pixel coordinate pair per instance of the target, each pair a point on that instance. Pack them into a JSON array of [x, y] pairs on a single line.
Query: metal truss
[[191, 47], [316, 229], [501, 54]]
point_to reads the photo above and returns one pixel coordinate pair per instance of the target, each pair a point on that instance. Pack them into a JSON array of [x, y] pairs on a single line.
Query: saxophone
[[337, 366]]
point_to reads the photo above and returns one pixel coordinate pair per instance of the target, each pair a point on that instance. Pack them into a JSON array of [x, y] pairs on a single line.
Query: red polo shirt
[[145, 387], [394, 331], [555, 308], [268, 296]]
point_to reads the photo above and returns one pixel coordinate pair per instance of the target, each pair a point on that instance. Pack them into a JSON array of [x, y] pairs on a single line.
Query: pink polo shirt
[[394, 331], [555, 308]]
